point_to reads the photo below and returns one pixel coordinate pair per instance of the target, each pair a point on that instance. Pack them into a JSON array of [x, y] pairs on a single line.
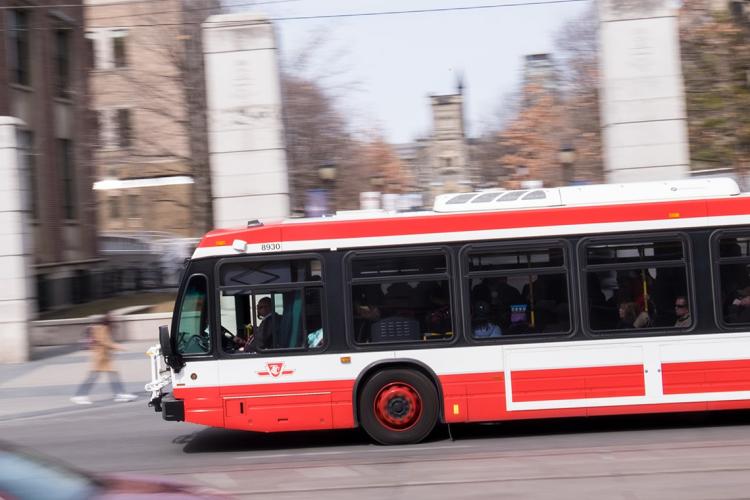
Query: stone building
[[148, 100], [441, 162], [43, 83], [539, 71]]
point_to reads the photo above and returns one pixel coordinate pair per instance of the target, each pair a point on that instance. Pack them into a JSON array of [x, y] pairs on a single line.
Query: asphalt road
[[665, 456]]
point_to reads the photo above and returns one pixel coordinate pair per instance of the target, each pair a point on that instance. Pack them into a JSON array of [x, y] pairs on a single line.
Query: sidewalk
[[45, 385]]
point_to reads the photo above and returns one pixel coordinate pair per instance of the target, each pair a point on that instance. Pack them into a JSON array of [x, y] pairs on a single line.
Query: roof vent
[[592, 194], [254, 223]]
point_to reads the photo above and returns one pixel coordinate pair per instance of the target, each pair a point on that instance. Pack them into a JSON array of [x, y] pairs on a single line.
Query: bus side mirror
[[174, 360]]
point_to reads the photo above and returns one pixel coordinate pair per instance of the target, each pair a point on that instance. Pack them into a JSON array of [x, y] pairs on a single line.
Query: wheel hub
[[398, 406]]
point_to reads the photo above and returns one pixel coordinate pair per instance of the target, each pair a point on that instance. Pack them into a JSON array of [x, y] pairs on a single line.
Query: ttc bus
[[572, 301]]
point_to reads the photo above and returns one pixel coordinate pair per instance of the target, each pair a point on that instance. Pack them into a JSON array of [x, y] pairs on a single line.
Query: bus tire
[[398, 406]]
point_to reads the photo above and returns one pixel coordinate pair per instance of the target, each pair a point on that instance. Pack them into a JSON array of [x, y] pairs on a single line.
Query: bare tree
[[715, 52], [578, 50], [531, 141], [319, 129]]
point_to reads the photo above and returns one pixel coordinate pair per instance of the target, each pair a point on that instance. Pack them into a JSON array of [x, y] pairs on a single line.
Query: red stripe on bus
[[578, 383], [479, 397], [202, 405], [706, 376], [272, 407], [446, 223]]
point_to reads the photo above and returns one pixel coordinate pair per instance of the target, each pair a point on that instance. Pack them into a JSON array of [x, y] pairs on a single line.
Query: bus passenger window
[[400, 298], [633, 285], [257, 319], [734, 278], [193, 335], [518, 292]]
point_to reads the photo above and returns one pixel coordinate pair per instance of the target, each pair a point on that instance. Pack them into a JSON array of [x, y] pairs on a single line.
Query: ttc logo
[[275, 370]]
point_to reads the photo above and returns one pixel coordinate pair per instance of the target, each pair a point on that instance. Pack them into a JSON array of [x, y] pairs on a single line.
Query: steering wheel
[[186, 341], [226, 333]]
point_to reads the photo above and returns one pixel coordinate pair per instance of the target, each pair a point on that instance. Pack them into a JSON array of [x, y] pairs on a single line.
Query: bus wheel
[[398, 407]]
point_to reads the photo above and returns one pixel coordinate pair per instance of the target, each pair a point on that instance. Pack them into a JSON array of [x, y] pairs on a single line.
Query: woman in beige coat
[[102, 346]]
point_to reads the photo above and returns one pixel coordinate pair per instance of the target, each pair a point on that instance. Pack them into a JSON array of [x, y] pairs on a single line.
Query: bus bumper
[[173, 409]]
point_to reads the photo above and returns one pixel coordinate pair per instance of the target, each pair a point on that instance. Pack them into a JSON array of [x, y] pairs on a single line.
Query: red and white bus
[[573, 301]]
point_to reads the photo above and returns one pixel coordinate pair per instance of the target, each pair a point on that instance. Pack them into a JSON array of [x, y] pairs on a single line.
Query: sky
[[383, 68]]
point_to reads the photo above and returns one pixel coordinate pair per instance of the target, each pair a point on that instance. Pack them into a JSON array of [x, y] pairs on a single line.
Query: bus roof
[[594, 194], [500, 214]]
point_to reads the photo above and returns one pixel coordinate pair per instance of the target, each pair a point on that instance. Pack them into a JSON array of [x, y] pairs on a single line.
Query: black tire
[[398, 406]]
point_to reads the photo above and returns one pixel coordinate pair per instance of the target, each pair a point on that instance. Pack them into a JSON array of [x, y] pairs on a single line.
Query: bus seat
[[394, 328]]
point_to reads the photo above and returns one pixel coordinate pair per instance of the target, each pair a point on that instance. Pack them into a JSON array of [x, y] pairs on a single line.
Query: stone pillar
[[16, 292], [246, 140], [643, 117]]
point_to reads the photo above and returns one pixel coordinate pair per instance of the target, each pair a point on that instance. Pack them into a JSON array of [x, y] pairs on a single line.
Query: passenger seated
[[739, 309], [315, 338], [267, 334], [481, 326], [682, 312], [499, 295], [632, 317], [367, 302], [439, 320]]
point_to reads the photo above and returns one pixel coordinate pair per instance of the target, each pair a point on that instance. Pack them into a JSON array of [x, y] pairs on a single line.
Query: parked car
[[26, 475]]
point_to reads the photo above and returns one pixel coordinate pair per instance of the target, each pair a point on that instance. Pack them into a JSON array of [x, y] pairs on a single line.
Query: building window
[[27, 159], [119, 55], [90, 53], [62, 61], [108, 48], [123, 128], [19, 47], [114, 208], [114, 128], [65, 154], [133, 212]]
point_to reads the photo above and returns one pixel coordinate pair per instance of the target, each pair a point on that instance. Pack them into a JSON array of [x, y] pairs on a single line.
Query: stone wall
[[126, 327]]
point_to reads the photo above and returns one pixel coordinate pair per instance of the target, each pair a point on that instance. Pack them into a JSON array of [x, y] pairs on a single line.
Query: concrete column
[[644, 125], [246, 140], [16, 291]]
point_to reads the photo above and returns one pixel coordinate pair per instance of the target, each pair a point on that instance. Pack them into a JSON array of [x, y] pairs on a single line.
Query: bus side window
[[633, 284], [193, 335], [518, 291], [398, 297], [734, 278]]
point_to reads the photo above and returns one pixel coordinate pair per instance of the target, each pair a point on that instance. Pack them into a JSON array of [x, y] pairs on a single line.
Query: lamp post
[[327, 174], [377, 182], [567, 156], [372, 199]]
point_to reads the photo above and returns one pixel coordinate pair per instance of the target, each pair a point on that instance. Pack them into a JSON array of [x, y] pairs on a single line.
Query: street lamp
[[377, 182], [567, 156], [327, 174]]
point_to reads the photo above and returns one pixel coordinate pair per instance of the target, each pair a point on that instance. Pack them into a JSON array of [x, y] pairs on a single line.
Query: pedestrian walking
[[102, 347]]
